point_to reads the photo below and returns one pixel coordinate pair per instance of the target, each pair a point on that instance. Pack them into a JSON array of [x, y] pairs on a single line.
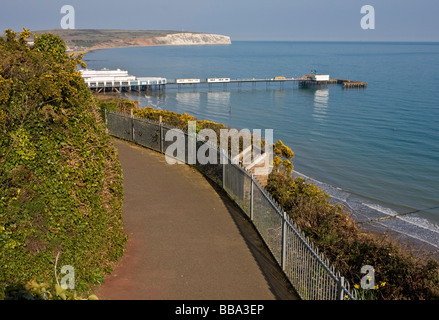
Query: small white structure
[[320, 77], [149, 81], [107, 78], [212, 80], [188, 80]]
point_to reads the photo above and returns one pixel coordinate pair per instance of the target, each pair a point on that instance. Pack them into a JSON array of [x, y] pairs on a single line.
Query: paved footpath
[[187, 240]]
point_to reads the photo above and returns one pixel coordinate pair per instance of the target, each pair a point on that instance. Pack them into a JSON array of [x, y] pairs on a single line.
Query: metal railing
[[310, 273]]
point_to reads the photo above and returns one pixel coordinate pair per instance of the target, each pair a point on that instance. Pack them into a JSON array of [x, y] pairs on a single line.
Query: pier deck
[[304, 81]]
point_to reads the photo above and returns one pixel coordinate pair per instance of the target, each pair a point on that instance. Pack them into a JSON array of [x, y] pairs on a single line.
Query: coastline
[[416, 236], [352, 245], [394, 226], [371, 217], [88, 40], [88, 50]]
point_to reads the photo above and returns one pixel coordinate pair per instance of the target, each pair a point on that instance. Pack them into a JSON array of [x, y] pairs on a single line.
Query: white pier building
[[118, 79]]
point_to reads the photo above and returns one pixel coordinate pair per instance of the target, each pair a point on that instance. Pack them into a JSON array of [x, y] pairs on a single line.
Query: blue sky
[[305, 20]]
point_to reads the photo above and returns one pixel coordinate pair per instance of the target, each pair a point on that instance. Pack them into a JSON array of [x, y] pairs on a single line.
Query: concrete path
[[187, 240]]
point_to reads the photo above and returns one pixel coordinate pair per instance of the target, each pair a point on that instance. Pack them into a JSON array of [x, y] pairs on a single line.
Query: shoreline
[[346, 243], [409, 234], [388, 226], [405, 234], [411, 237], [92, 49], [88, 40]]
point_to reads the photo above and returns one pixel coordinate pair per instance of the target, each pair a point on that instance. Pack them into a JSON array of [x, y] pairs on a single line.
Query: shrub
[[61, 184], [349, 248]]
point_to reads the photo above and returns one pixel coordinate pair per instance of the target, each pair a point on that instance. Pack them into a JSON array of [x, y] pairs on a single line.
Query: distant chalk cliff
[[174, 39], [193, 39], [78, 40]]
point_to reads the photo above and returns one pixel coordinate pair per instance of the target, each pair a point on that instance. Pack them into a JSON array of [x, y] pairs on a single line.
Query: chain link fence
[[310, 273]]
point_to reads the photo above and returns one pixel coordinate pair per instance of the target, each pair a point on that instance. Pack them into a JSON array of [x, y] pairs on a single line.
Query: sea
[[374, 150]]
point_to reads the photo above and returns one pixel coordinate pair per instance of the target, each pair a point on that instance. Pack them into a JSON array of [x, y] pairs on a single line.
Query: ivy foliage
[[60, 180]]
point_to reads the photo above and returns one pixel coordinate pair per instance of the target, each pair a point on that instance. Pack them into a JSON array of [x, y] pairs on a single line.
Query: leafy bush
[[61, 183], [400, 275]]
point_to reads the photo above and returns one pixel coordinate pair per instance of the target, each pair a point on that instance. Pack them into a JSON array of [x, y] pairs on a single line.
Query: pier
[[352, 84], [313, 80], [118, 81]]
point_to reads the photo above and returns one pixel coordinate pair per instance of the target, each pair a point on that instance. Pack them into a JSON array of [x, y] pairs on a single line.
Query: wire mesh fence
[[146, 133], [268, 221], [310, 273]]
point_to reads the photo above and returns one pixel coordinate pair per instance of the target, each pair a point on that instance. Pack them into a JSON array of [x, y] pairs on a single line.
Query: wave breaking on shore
[[414, 232]]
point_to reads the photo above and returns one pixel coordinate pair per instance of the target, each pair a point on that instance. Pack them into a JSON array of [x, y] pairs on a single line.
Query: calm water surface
[[376, 150]]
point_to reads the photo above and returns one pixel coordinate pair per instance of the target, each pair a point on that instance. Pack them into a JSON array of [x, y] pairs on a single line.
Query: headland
[[86, 40]]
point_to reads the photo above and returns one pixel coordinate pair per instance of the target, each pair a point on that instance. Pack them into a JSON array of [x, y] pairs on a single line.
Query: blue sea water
[[376, 150]]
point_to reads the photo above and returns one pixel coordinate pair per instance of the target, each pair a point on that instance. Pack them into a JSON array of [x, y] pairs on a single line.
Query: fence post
[[106, 121], [132, 125], [340, 293], [251, 198], [161, 134], [284, 241], [224, 175]]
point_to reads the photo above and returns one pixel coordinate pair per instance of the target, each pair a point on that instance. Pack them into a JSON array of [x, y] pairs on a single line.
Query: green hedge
[[61, 183]]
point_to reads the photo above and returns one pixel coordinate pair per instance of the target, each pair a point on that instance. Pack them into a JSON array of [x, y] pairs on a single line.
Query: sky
[[276, 20]]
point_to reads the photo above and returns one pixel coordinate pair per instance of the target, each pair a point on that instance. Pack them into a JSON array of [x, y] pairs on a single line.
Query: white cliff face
[[173, 39], [193, 39]]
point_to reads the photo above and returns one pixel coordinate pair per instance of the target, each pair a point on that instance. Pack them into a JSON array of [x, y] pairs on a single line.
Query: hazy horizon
[[265, 40], [244, 20]]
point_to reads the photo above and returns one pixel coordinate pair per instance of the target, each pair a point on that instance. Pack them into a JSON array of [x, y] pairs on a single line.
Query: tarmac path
[[187, 239]]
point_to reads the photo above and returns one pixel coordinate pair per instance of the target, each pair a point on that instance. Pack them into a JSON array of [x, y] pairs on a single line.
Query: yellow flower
[[383, 284], [356, 286]]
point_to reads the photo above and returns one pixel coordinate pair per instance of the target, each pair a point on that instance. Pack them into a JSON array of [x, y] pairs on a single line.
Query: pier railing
[[310, 273]]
